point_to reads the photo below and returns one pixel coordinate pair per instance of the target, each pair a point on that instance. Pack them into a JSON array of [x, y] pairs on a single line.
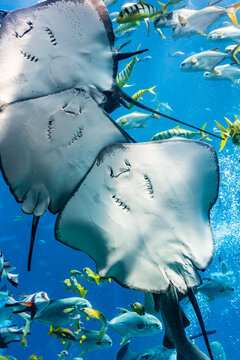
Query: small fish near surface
[[214, 289], [198, 22], [176, 54], [224, 72], [208, 60], [232, 131], [178, 132], [4, 271], [227, 33], [29, 303]]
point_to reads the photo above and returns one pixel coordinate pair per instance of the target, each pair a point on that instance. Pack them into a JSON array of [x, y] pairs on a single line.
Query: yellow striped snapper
[[137, 96], [177, 131], [137, 12], [72, 284], [124, 75], [208, 60], [227, 33], [224, 72], [135, 120], [202, 19], [232, 131], [90, 276]]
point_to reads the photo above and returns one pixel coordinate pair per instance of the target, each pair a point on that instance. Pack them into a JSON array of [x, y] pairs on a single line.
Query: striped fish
[[137, 96], [124, 75], [177, 131], [136, 12]]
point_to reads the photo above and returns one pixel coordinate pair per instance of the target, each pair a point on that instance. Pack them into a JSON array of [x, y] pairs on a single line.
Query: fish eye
[[183, 64], [98, 342], [140, 326], [232, 289]]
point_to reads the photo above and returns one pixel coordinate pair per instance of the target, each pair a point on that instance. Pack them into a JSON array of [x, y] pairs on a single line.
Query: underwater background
[[192, 99]]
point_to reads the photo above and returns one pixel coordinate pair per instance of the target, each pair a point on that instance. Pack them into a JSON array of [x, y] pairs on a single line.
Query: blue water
[[193, 100]]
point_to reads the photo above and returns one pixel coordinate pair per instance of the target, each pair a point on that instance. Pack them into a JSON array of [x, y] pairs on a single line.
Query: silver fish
[[214, 288], [9, 335], [228, 33], [198, 22], [129, 325], [170, 19], [223, 72], [208, 60]]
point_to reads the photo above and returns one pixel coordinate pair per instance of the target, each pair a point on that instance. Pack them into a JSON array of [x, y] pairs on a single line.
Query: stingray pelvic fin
[[138, 104], [33, 233], [194, 303]]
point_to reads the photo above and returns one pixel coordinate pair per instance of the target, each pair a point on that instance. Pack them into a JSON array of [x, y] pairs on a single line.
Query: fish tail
[[203, 134], [224, 134], [137, 50], [51, 331], [13, 279], [231, 12], [28, 324], [234, 53], [156, 116], [151, 90]]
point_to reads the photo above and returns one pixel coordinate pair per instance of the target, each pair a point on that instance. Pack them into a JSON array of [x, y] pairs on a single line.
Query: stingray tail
[[194, 303], [231, 12], [33, 233], [144, 107]]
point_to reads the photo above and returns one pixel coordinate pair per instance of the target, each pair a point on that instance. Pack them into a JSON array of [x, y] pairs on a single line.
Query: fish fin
[[203, 134], [102, 332], [215, 49], [161, 33], [124, 340], [147, 25], [138, 22], [110, 280], [203, 34], [68, 310], [97, 278], [123, 311], [13, 279], [51, 331], [208, 300], [223, 134], [231, 12], [151, 90], [82, 338], [28, 303], [234, 54], [126, 85], [182, 20], [82, 353], [23, 342], [230, 124]]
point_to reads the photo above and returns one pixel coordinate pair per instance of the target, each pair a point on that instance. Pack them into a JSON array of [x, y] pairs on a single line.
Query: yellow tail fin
[[224, 135], [203, 134], [231, 12], [234, 53], [151, 90], [51, 330]]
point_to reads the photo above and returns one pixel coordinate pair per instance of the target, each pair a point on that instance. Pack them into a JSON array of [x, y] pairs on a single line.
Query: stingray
[[142, 214], [58, 71]]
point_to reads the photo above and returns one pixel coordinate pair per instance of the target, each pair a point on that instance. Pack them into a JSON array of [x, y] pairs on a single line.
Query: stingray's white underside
[[142, 213]]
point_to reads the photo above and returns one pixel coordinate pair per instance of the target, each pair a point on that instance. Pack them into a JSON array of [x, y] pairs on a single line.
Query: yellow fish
[[141, 11], [137, 96], [232, 131]]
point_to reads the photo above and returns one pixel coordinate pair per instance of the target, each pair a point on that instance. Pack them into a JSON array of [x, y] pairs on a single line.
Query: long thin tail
[[199, 316], [34, 229], [138, 104], [231, 12]]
